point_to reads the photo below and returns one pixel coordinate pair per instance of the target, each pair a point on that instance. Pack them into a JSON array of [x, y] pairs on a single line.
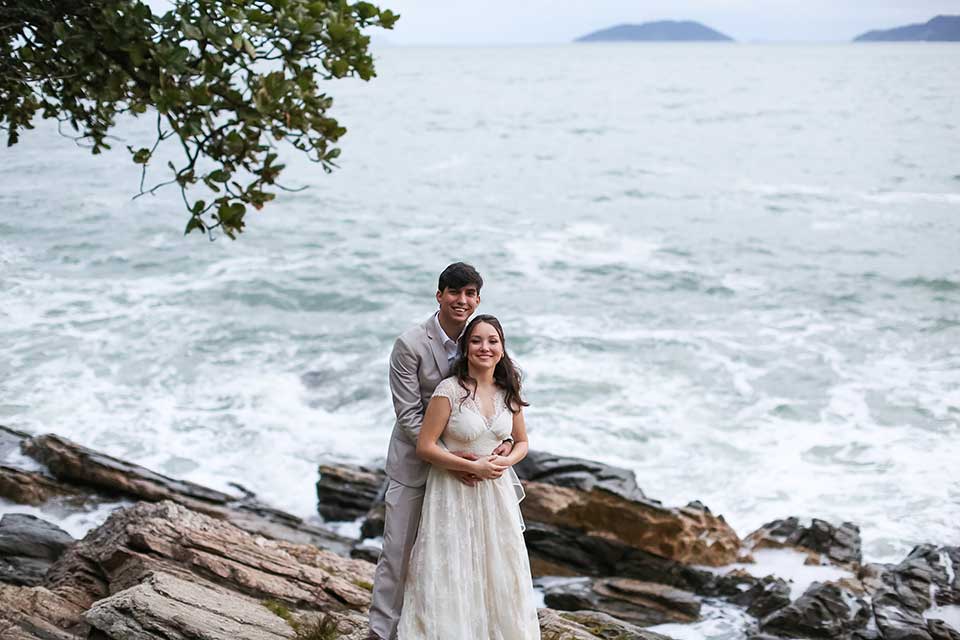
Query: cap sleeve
[[448, 388]]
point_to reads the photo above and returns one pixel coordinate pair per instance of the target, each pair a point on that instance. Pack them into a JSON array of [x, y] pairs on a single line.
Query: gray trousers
[[400, 531]]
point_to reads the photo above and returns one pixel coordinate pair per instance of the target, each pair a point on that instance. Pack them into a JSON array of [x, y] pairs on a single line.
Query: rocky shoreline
[[178, 560]]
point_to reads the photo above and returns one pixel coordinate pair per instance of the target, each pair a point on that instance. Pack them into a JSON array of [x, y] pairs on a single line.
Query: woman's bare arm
[[520, 444], [434, 422]]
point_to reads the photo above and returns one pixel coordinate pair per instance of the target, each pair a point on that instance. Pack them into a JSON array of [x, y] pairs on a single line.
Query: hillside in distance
[[939, 29], [660, 31]]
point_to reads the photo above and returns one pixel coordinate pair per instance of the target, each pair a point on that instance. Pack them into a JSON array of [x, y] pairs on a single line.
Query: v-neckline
[[478, 409]]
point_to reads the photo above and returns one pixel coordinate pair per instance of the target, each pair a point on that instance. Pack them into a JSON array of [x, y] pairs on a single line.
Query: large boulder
[[578, 473], [589, 625], [633, 601], [33, 488], [79, 471], [374, 521], [821, 541], [764, 597], [135, 545], [28, 546], [824, 611], [910, 591], [688, 535], [556, 551], [37, 613], [165, 606], [168, 538], [346, 492], [79, 465]]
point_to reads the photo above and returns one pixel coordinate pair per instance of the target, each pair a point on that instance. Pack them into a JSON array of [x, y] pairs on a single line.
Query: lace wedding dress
[[469, 575]]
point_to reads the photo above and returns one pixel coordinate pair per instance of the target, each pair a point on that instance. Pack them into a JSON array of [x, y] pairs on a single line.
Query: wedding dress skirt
[[469, 574]]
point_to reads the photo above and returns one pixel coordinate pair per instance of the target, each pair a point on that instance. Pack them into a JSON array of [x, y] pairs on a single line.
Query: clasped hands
[[488, 467]]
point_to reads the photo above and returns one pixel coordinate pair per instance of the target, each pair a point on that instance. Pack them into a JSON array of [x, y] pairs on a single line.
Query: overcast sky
[[545, 21]]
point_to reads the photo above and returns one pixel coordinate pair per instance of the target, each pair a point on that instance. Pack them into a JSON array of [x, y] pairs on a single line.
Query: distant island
[[661, 31], [939, 29]]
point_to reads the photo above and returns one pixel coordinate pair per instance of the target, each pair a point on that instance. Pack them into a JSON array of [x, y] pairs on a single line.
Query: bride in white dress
[[469, 574]]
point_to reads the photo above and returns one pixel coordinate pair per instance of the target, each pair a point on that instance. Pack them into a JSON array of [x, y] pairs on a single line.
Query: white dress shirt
[[449, 344]]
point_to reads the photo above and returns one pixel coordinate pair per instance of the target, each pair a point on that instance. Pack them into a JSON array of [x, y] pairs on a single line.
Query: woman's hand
[[503, 461], [466, 478], [487, 469]]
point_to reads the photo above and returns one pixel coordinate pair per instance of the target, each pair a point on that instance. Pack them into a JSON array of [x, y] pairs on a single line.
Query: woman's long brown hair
[[505, 374]]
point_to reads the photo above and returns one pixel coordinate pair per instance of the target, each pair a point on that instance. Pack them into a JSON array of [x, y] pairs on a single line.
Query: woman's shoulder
[[450, 388]]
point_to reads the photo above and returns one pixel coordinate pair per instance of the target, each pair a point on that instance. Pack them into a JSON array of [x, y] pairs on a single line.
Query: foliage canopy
[[227, 80]]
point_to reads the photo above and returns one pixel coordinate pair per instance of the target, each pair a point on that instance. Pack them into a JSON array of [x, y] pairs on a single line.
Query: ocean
[[734, 269]]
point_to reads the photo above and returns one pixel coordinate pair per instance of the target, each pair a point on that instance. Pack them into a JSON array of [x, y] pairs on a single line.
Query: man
[[421, 358]]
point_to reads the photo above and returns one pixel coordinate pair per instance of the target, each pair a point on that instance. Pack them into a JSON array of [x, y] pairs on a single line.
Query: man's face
[[457, 305]]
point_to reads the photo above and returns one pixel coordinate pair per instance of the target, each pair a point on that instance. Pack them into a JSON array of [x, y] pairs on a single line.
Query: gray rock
[[166, 537], [764, 596], [346, 491], [73, 463], [590, 625], [940, 630], [823, 611], [560, 551], [839, 544], [28, 546], [36, 613], [164, 607], [578, 473], [374, 521], [634, 601], [106, 478], [27, 535], [367, 552], [926, 577]]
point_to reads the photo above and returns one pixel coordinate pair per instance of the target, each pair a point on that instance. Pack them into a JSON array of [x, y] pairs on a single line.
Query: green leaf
[[194, 223], [388, 19], [339, 68], [141, 156], [192, 32]]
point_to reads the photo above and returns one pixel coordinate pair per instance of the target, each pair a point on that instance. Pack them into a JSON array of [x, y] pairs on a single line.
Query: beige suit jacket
[[417, 365]]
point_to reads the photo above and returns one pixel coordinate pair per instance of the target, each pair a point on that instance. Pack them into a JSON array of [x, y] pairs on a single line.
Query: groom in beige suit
[[421, 358]]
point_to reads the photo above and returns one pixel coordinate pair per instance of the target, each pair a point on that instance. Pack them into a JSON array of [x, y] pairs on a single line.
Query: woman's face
[[484, 348]]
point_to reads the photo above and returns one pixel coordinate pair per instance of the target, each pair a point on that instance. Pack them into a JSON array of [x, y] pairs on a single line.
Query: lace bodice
[[468, 429]]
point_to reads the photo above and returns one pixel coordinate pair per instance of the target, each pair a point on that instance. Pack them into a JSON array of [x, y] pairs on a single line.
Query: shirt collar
[[443, 334]]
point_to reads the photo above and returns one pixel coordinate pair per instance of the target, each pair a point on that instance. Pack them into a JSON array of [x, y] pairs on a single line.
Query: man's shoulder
[[415, 335]]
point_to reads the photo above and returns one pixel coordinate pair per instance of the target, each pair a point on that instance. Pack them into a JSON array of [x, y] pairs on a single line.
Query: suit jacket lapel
[[436, 346]]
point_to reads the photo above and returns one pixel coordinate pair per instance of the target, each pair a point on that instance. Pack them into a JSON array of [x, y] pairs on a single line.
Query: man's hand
[[504, 449], [465, 477]]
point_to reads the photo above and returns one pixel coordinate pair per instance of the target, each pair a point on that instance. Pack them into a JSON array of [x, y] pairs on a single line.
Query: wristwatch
[[508, 439]]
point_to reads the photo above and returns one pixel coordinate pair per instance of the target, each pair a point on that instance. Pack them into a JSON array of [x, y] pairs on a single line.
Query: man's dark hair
[[458, 275]]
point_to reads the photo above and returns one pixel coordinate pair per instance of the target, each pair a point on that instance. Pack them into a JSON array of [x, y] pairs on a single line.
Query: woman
[[469, 575]]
